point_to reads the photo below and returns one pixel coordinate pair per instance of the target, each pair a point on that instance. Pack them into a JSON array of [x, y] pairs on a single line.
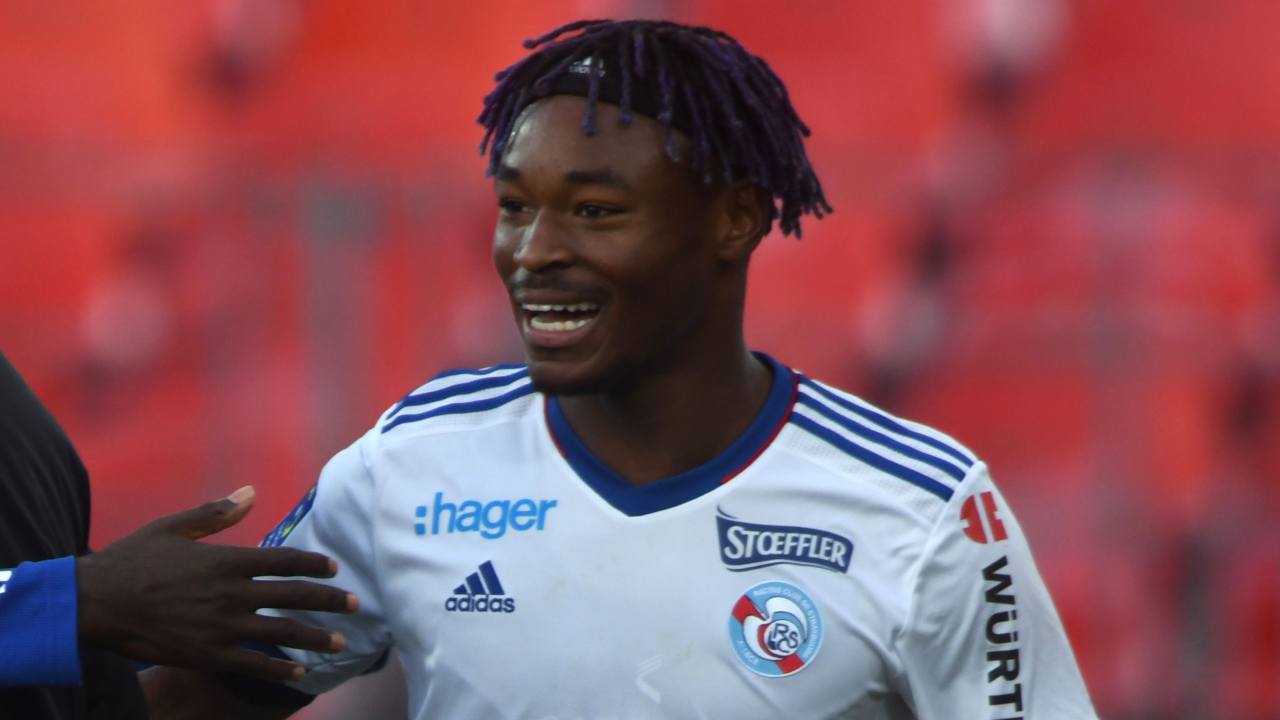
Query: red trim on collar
[[795, 393]]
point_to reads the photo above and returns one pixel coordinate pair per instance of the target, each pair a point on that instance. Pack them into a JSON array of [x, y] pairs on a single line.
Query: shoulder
[[914, 465], [459, 399], [44, 487], [26, 425], [453, 401], [428, 419]]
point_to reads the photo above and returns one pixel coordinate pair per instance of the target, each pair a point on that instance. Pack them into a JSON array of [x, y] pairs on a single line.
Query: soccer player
[[647, 519]]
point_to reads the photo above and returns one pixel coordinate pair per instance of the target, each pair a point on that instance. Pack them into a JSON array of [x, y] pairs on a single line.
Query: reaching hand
[[159, 596]]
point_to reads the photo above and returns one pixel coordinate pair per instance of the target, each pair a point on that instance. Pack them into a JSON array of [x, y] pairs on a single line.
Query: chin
[[552, 377]]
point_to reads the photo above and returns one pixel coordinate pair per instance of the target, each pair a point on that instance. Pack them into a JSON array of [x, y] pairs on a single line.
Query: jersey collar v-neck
[[669, 492]]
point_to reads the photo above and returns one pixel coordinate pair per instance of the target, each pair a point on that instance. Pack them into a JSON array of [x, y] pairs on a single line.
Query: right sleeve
[[335, 518], [38, 633]]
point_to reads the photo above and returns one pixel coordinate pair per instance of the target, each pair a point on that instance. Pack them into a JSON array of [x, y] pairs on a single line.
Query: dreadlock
[[735, 110]]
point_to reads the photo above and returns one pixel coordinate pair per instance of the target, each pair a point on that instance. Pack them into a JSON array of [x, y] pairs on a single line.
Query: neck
[[675, 420]]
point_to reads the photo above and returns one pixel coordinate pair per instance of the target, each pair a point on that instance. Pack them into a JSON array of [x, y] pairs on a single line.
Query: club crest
[[775, 629]]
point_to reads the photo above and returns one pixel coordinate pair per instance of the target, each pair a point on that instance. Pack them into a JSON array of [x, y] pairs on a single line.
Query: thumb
[[210, 517]]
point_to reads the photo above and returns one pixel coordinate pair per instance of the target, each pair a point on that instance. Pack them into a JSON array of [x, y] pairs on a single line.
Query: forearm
[[176, 694]]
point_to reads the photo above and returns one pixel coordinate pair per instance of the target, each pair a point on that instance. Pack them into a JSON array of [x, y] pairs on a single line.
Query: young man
[[646, 519]]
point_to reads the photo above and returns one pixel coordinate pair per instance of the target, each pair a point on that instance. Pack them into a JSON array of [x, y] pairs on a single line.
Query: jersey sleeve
[[982, 638], [336, 519], [38, 629]]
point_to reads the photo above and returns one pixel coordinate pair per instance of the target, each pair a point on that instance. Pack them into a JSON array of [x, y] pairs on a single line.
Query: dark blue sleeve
[[39, 642]]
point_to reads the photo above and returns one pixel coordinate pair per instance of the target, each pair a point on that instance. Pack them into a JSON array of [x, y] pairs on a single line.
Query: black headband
[[646, 95]]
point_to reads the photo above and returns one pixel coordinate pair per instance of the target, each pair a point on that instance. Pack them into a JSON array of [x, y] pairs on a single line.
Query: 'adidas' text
[[482, 592]]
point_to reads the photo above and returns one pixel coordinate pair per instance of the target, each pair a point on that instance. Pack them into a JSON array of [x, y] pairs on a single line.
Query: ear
[[744, 214]]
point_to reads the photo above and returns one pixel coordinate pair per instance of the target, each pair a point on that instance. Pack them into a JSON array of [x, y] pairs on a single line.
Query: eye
[[509, 206], [594, 211]]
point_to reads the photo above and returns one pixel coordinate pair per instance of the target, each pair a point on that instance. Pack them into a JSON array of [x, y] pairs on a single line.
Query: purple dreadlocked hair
[[735, 110]]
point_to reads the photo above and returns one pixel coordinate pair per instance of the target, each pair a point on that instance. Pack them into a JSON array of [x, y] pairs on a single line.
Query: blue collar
[[671, 491]]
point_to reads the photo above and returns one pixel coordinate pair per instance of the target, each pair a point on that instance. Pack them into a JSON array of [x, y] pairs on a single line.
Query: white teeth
[[577, 307], [538, 323]]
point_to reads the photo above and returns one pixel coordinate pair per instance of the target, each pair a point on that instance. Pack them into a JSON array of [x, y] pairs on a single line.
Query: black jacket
[[44, 514]]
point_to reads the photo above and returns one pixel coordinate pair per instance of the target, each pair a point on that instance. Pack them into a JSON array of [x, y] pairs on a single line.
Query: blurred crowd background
[[232, 232]]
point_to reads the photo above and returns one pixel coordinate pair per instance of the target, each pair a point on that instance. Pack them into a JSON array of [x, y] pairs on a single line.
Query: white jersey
[[835, 562]]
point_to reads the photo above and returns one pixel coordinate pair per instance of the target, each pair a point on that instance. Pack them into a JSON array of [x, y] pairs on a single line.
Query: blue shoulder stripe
[[482, 371], [857, 428], [914, 477], [485, 382], [889, 423], [472, 406]]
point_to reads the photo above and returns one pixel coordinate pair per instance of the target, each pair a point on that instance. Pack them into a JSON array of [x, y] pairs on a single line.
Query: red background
[[232, 232]]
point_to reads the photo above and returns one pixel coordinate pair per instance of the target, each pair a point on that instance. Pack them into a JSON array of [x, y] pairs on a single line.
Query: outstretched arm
[[335, 518], [160, 596]]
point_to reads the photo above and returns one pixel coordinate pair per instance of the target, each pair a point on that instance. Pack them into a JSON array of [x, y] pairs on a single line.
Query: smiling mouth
[[550, 318]]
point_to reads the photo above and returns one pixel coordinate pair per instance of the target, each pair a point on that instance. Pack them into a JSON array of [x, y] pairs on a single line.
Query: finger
[[210, 517], [282, 562], [256, 664], [302, 595], [282, 632]]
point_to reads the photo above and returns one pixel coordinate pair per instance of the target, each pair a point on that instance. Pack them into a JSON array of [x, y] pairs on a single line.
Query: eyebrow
[[602, 176]]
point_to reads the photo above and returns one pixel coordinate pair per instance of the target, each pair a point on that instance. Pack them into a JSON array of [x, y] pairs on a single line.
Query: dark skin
[[158, 595], [662, 380], [659, 379]]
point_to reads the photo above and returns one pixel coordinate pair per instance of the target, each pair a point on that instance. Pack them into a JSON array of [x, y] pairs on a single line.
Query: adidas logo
[[4, 579], [482, 592]]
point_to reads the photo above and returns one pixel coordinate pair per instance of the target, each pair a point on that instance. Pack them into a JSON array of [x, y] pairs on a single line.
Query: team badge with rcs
[[747, 546], [775, 629]]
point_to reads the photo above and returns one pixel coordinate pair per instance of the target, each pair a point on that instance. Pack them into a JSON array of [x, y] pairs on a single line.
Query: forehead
[[549, 135]]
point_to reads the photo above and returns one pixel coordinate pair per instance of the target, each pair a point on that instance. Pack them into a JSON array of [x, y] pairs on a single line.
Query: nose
[[541, 245]]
